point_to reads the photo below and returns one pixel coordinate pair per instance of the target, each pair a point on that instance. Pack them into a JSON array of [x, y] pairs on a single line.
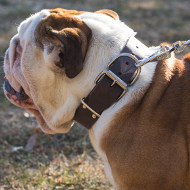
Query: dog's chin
[[32, 108], [64, 128]]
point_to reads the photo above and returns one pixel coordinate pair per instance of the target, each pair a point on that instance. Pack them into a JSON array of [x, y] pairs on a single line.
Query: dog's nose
[[21, 96]]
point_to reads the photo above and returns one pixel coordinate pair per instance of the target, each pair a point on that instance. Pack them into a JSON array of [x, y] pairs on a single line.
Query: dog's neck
[[102, 96], [108, 40], [134, 92]]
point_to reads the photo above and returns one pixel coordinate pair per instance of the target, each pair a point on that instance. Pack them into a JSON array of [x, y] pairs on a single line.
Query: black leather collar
[[111, 85]]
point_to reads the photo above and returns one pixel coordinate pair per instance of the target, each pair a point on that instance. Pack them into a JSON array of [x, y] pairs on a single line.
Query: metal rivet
[[84, 107], [93, 116]]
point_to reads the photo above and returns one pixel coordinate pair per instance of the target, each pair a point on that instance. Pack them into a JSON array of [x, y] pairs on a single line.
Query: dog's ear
[[68, 36], [110, 13], [71, 55]]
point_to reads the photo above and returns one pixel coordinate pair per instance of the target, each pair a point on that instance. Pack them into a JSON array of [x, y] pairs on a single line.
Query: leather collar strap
[[111, 85]]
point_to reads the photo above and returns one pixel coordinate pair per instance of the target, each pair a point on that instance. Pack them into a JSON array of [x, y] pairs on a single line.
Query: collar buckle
[[116, 80], [110, 86]]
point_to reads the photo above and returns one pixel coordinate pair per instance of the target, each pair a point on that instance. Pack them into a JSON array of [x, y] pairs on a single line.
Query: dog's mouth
[[21, 99]]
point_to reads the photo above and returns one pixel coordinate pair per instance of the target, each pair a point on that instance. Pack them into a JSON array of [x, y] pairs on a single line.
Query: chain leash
[[165, 52]]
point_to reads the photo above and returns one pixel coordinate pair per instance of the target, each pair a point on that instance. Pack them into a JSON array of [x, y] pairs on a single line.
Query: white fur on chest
[[110, 46]]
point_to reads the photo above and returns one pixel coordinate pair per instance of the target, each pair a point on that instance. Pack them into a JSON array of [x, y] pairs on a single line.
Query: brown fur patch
[[147, 144], [58, 20], [65, 11], [186, 58], [68, 33], [110, 13], [165, 44]]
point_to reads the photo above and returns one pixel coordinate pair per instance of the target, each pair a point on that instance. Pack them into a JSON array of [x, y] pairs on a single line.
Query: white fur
[[25, 32], [28, 26]]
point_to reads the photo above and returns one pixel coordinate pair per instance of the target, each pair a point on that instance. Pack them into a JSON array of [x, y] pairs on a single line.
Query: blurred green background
[[30, 159]]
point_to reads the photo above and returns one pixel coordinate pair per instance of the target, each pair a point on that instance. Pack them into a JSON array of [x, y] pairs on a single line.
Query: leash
[[112, 83], [165, 52]]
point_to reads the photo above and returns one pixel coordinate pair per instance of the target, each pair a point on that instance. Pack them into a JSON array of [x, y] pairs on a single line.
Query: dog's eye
[[61, 55], [60, 64]]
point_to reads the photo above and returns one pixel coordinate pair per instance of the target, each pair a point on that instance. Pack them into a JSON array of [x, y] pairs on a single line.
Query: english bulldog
[[144, 137]]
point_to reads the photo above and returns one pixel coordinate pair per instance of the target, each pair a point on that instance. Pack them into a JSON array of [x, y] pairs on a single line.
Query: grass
[[68, 161], [62, 161]]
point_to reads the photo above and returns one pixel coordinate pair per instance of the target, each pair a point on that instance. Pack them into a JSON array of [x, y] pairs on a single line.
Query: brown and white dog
[[144, 138]]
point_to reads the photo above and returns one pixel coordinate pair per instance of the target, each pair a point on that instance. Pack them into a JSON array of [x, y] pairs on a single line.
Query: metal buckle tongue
[[116, 80]]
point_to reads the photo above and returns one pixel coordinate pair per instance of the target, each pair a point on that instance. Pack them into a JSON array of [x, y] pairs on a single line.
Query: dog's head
[[47, 65]]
